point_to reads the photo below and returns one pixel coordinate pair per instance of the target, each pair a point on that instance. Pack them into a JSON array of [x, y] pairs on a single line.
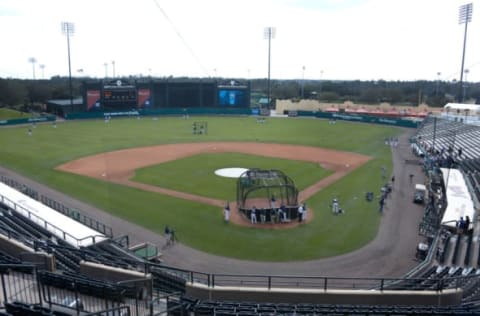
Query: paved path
[[390, 254]]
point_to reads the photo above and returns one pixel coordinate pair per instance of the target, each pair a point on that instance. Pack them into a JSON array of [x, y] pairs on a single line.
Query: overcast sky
[[315, 39]]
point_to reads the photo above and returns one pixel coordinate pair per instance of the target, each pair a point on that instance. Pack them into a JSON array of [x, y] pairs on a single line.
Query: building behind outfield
[[156, 96]]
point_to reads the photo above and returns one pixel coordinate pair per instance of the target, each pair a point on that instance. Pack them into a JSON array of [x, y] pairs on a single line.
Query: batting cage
[[271, 195]]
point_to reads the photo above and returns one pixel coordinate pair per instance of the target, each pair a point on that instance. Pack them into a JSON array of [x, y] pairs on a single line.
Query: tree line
[[27, 94]]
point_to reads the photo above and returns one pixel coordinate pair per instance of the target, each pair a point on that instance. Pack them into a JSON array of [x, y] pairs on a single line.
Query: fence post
[[35, 273], [4, 289], [77, 305], [381, 284], [325, 284], [269, 282]]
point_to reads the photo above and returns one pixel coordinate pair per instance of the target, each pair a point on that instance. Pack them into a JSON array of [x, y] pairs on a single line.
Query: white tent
[[453, 107]]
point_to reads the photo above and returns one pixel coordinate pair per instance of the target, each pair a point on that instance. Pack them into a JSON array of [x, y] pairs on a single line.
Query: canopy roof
[[462, 106]]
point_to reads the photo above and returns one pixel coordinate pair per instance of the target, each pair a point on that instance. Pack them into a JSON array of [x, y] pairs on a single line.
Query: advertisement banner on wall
[[93, 99], [143, 97]]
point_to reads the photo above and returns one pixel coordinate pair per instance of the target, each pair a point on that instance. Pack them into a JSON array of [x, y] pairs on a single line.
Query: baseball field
[[154, 172]]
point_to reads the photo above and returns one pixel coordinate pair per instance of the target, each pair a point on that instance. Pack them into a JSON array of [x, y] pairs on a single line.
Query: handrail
[[315, 282]]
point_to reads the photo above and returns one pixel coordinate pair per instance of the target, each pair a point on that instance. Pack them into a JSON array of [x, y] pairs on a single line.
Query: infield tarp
[[459, 200]]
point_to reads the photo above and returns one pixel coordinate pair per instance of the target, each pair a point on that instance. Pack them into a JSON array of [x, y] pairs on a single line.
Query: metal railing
[[325, 283]]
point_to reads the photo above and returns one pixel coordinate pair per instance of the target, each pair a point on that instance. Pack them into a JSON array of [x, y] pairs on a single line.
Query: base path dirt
[[119, 166]]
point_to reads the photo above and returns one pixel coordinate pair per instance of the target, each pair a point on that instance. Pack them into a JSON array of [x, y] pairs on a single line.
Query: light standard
[[68, 29], [303, 82], [33, 61], [464, 95], [464, 16], [106, 69], [438, 84], [269, 33], [320, 85], [113, 68]]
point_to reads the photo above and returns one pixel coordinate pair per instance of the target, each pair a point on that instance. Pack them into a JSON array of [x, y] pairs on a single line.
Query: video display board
[[119, 94]]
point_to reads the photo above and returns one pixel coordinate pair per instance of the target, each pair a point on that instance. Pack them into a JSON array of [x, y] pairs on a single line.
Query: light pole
[[438, 84], [269, 33], [113, 69], [106, 69], [33, 61], [303, 82], [464, 16], [320, 86], [68, 29], [464, 95]]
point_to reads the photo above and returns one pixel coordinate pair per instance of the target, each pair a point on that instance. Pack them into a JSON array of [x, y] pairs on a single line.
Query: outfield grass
[[198, 225], [196, 174]]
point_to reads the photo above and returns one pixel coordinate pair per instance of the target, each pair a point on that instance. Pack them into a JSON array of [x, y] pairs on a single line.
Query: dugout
[[65, 106], [267, 190]]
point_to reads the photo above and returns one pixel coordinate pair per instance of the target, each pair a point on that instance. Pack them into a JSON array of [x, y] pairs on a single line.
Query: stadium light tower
[[269, 33], [437, 88], [106, 69], [303, 81], [68, 29], [33, 61], [465, 83], [113, 68], [464, 16]]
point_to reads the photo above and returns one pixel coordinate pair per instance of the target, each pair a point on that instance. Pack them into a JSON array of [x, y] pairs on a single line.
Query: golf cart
[[420, 192]]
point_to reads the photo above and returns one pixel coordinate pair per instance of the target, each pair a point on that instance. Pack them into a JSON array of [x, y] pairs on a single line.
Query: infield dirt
[[119, 167]]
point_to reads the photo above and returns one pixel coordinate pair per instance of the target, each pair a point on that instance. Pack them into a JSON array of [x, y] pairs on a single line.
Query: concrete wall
[[26, 254]]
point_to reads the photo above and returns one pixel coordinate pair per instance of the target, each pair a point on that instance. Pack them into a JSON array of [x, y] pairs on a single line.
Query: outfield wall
[[49, 118], [164, 112], [362, 118]]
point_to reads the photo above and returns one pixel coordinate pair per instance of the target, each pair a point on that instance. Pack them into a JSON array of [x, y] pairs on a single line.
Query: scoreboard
[[119, 94]]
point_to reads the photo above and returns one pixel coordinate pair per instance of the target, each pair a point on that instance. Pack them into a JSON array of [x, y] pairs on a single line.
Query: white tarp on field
[[58, 224], [459, 201]]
